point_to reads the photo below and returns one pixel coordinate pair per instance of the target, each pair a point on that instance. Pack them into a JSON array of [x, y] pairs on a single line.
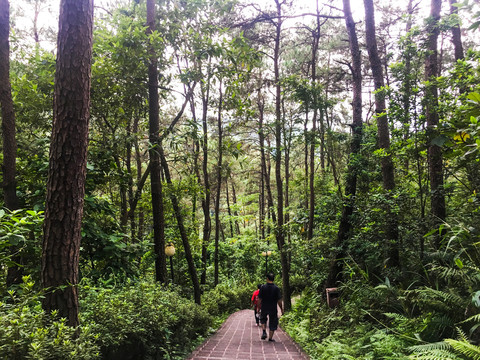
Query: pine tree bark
[[279, 231], [155, 169], [435, 156], [8, 115], [68, 159], [343, 234], [388, 176], [11, 202]]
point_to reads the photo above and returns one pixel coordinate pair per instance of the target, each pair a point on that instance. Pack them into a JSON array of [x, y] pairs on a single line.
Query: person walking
[[269, 297], [255, 304]]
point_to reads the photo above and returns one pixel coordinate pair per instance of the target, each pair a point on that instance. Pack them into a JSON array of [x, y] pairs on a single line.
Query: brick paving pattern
[[239, 338]]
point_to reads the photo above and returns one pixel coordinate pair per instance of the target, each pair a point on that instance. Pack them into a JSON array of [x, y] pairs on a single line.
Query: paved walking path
[[239, 338]]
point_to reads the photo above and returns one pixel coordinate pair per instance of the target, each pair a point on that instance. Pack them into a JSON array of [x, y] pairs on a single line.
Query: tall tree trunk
[[138, 161], [279, 233], [435, 156], [207, 224], [219, 184], [311, 207], [235, 213], [306, 157], [123, 194], [287, 144], [336, 266], [14, 275], [388, 176], [456, 33], [181, 228], [155, 170], [128, 164], [8, 115], [265, 164], [407, 87], [68, 160], [229, 209]]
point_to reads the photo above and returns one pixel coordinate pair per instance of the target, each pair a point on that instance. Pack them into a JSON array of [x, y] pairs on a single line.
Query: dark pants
[[257, 315], [272, 319]]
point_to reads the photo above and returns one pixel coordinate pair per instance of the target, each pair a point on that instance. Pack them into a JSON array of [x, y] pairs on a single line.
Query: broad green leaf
[[15, 239]]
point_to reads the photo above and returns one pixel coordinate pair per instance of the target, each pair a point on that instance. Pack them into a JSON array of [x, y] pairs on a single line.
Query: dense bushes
[[27, 333], [386, 322], [143, 321], [351, 331], [136, 320], [228, 297]]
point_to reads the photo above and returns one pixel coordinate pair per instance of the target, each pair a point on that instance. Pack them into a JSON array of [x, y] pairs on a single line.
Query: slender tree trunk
[[435, 157], [219, 184], [280, 233], [287, 140], [229, 209], [123, 195], [181, 228], [138, 160], [207, 224], [306, 158], [68, 160], [265, 164], [130, 193], [456, 34], [155, 170], [8, 115], [336, 266], [407, 87], [388, 176], [196, 154], [311, 207], [235, 213], [14, 275]]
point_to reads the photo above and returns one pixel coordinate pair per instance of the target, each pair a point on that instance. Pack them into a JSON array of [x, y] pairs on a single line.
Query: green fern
[[450, 298], [430, 347], [475, 318], [465, 348], [449, 349], [436, 355]]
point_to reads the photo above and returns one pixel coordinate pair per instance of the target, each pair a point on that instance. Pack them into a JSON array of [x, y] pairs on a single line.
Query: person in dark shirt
[[269, 297]]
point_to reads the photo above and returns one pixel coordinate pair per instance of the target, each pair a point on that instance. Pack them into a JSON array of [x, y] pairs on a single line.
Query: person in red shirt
[[256, 304]]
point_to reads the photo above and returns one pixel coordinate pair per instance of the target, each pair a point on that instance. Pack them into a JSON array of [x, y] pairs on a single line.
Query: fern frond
[[441, 345], [435, 355], [475, 318], [441, 322], [396, 316], [465, 348], [446, 297], [461, 335]]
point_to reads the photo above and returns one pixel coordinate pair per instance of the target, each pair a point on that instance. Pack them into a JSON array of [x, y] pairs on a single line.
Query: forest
[[159, 157]]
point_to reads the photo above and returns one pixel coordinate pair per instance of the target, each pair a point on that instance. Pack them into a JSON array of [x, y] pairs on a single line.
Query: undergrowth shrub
[[228, 297], [357, 329], [26, 332], [143, 321]]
